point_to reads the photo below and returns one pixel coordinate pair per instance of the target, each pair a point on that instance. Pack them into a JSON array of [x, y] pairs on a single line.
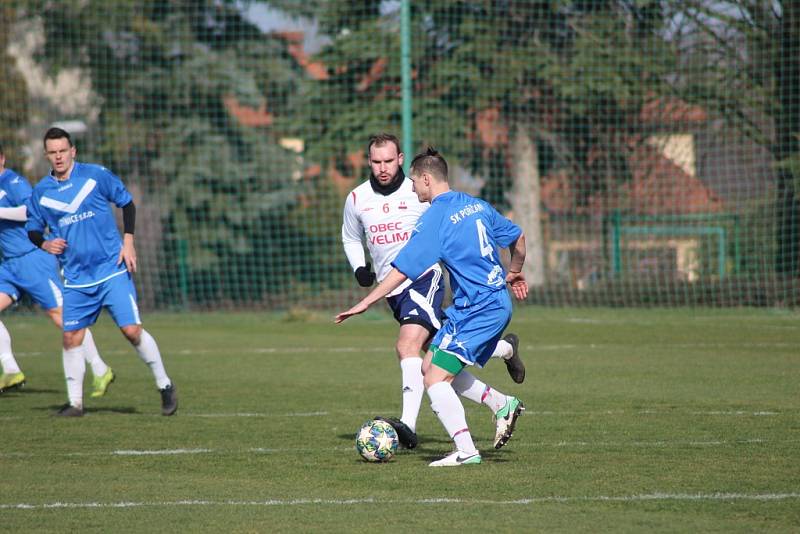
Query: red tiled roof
[[247, 116], [657, 186], [294, 47], [667, 110], [375, 72], [660, 186]]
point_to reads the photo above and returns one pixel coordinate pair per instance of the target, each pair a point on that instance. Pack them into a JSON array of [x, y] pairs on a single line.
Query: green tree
[[167, 73], [747, 52], [14, 95], [567, 80]]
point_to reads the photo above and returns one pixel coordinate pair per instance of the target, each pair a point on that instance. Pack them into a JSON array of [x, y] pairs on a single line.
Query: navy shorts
[[421, 302]]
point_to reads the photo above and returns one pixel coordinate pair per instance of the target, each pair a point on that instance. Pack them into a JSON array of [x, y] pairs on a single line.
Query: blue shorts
[[421, 302], [35, 273], [82, 305], [471, 334]]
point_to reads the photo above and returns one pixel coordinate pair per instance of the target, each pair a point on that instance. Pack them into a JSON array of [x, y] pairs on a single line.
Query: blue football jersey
[[14, 191], [78, 210], [465, 233]]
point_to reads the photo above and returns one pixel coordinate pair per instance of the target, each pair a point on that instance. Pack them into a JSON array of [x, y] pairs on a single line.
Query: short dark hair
[[381, 139], [1, 151], [57, 133], [431, 162]]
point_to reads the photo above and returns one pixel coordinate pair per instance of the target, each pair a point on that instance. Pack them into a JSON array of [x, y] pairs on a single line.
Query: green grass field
[[637, 421]]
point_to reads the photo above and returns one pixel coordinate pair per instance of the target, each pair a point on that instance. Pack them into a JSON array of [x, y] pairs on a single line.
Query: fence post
[[405, 68], [616, 246], [183, 272]]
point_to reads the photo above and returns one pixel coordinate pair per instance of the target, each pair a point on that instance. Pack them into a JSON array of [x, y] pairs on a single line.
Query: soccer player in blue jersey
[[382, 211], [73, 203], [465, 234], [27, 269]]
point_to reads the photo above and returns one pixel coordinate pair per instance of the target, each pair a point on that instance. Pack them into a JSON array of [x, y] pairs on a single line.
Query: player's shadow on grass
[[425, 438], [88, 411], [28, 390], [112, 409]]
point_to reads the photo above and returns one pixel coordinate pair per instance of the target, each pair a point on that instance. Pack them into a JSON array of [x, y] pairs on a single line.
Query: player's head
[[59, 150], [2, 158], [429, 174], [385, 157]]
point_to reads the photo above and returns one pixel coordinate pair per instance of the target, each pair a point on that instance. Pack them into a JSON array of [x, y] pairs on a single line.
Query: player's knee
[[73, 338], [407, 349], [132, 333]]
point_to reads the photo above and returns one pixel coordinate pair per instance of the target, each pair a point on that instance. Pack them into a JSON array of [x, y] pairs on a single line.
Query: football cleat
[[68, 410], [514, 365], [457, 458], [169, 400], [101, 383], [11, 381], [407, 437], [506, 419]]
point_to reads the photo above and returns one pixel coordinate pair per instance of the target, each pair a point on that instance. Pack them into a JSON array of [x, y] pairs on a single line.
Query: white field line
[[540, 413], [256, 414], [173, 452], [729, 413], [162, 452], [389, 349], [649, 497], [656, 444]]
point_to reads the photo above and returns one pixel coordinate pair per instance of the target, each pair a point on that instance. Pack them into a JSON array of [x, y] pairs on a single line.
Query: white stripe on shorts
[[56, 293], [135, 309], [426, 306]]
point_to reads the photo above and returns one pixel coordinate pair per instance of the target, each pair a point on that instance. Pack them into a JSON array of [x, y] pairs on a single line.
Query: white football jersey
[[385, 221]]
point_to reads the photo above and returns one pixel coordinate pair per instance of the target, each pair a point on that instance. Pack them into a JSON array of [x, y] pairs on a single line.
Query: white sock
[[149, 353], [99, 367], [450, 412], [74, 369], [504, 350], [468, 386], [6, 356], [413, 389]]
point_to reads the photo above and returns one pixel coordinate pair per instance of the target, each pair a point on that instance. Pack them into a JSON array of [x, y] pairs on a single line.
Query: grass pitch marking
[[390, 350], [160, 452], [650, 497], [517, 445]]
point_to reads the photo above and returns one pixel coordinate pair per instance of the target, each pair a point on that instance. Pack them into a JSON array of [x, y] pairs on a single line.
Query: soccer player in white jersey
[[73, 203], [465, 233], [384, 211], [30, 270]]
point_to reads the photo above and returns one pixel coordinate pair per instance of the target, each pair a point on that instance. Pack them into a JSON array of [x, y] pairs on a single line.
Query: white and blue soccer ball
[[376, 441]]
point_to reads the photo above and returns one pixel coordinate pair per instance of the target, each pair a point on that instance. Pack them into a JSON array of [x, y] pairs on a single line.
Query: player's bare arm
[[128, 253], [389, 284], [515, 279]]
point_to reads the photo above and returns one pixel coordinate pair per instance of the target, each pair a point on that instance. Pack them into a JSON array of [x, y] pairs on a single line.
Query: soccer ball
[[376, 441]]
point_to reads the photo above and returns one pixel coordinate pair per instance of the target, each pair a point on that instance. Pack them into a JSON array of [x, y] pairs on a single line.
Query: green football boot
[[11, 381], [506, 419], [101, 383]]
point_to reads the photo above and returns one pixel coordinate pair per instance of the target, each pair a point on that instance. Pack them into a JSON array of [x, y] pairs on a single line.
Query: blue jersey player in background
[[72, 202], [464, 233], [26, 269]]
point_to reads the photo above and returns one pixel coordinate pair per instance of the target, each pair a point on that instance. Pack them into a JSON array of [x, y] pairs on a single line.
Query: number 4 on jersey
[[483, 240]]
